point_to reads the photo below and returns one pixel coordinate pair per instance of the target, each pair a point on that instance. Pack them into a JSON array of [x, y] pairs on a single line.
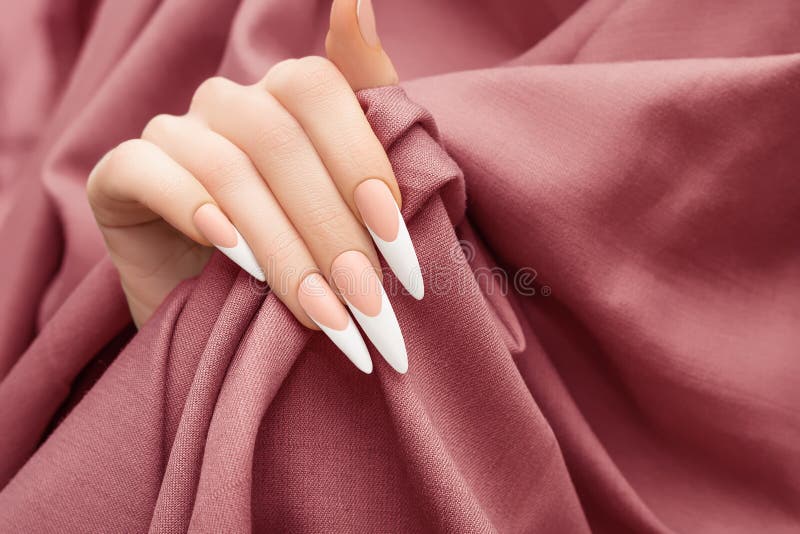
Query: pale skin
[[281, 159]]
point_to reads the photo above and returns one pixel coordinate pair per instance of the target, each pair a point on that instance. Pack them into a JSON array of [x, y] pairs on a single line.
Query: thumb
[[353, 45]]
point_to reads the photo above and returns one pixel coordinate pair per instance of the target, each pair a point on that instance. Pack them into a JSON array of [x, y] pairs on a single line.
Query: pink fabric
[[638, 160]]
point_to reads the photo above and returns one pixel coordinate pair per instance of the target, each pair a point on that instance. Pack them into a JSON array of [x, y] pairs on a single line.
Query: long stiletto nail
[[356, 279], [220, 231], [319, 302], [366, 22], [376, 204]]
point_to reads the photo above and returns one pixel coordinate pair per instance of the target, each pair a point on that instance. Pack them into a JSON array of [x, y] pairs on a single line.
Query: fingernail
[[319, 302], [356, 279], [376, 204], [366, 22], [213, 224]]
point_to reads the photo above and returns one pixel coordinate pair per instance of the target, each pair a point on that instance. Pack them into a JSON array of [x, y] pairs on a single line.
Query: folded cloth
[[608, 340]]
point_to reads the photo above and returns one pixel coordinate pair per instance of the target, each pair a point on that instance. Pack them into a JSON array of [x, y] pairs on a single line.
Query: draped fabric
[[605, 200]]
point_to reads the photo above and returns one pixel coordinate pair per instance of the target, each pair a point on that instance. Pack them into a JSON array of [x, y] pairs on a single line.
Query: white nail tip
[[384, 332], [351, 343], [402, 258], [242, 255]]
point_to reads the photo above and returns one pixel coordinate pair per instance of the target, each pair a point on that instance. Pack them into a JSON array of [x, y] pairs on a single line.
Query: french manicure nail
[[319, 302], [358, 283], [379, 210], [366, 22], [213, 224]]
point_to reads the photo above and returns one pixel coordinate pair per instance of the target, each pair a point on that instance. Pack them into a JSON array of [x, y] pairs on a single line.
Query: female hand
[[282, 176]]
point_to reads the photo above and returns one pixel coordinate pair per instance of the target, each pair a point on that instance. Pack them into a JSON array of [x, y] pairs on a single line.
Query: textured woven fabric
[[606, 211]]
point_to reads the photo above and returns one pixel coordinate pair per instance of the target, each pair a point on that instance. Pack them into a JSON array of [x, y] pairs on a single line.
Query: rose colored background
[[642, 156]]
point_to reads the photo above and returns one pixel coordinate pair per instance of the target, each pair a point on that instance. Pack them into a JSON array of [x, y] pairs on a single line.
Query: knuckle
[[280, 136], [358, 153], [277, 73], [113, 168], [316, 64], [324, 220], [310, 77], [159, 126], [227, 174], [126, 156], [211, 90], [283, 248]]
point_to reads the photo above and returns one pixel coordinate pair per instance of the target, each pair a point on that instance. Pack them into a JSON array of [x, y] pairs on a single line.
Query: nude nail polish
[[319, 302], [213, 224], [366, 22], [380, 213], [357, 281]]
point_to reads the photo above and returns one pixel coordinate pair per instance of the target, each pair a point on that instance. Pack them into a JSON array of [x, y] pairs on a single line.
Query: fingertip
[[344, 15], [354, 46]]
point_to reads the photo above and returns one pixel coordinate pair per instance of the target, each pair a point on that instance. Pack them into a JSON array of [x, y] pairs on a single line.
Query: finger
[[319, 98], [137, 183], [240, 191], [353, 45], [279, 148]]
